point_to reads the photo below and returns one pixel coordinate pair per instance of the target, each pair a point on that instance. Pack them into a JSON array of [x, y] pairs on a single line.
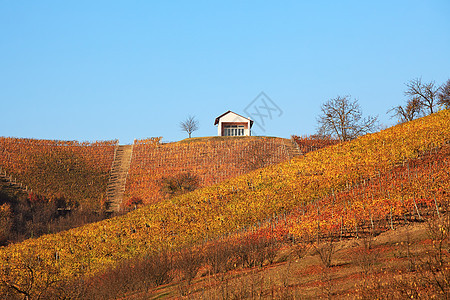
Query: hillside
[[383, 238], [392, 265], [209, 160], [312, 143], [25, 215], [9, 193], [79, 172], [306, 253], [66, 180], [220, 209], [69, 170]]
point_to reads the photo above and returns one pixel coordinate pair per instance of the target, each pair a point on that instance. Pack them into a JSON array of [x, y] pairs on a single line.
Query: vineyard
[[312, 143], [345, 189], [410, 192], [211, 161], [76, 172]]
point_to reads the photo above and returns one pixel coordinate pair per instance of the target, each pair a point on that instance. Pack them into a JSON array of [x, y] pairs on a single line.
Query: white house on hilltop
[[232, 124]]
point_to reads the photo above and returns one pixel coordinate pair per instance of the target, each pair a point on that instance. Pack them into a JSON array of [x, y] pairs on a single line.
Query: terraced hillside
[[219, 209], [77, 172], [210, 160], [307, 144], [367, 234]]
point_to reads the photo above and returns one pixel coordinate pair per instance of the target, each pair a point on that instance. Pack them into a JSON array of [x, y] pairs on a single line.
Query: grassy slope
[[226, 207]]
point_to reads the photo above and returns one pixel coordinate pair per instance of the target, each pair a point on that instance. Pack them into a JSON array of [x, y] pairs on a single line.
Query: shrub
[[220, 256], [188, 261], [179, 184]]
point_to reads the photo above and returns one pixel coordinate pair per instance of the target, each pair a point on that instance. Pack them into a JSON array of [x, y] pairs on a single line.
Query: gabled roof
[[217, 119]]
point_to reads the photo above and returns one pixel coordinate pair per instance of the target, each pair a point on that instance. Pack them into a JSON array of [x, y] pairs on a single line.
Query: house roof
[[217, 119]]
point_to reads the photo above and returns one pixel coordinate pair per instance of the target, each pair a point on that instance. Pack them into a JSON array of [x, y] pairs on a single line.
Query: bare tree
[[409, 112], [426, 93], [189, 125], [444, 95], [342, 118]]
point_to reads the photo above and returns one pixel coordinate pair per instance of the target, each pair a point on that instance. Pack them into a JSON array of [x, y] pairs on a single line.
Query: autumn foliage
[[410, 192], [313, 142], [77, 172], [208, 161], [322, 191]]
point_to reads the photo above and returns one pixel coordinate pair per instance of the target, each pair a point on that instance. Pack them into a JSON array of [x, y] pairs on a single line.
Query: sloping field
[[220, 209], [211, 160], [408, 193], [77, 172], [312, 143], [260, 260]]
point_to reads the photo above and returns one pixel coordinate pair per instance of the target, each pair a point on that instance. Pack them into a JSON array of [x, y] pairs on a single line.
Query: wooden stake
[[435, 203], [415, 204]]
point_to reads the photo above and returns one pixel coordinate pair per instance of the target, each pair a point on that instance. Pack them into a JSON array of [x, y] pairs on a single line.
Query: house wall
[[233, 119]]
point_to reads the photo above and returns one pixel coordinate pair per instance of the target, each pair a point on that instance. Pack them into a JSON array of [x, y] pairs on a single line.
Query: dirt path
[[118, 178]]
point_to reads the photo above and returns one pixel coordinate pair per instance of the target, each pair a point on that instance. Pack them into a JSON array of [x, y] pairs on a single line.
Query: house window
[[233, 130]]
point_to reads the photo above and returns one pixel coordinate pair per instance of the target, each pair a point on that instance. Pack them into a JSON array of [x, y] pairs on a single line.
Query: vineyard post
[[390, 209], [334, 195], [434, 194], [407, 168], [318, 221], [371, 216], [365, 200], [390, 215], [371, 221], [415, 204], [403, 203], [435, 203]]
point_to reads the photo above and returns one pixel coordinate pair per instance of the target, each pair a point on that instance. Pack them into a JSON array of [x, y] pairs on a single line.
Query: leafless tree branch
[[342, 117], [409, 112], [426, 93], [189, 125], [444, 95]]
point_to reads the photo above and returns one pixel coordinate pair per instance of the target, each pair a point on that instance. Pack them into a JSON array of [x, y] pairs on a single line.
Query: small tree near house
[[189, 125]]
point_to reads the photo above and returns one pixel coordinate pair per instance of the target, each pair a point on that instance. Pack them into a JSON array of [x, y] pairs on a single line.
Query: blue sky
[[97, 70]]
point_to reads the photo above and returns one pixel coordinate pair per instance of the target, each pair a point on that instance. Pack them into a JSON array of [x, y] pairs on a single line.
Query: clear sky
[[97, 70]]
